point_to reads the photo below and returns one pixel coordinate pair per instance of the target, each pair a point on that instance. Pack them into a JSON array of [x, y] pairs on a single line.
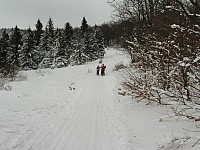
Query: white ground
[[43, 113]]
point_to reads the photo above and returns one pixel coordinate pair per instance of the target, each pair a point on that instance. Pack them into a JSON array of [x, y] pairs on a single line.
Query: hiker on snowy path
[[98, 69], [103, 68]]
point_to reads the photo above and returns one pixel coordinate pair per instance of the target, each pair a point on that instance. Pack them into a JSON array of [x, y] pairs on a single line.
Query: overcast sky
[[24, 13]]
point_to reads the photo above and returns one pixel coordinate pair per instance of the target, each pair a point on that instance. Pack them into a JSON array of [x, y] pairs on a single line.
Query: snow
[[168, 7], [73, 109], [196, 59], [175, 26]]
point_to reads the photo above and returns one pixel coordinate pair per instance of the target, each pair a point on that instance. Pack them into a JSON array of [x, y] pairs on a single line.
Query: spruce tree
[[77, 57], [28, 53], [93, 44], [16, 43], [84, 26], [87, 51], [44, 48], [38, 32], [68, 32], [99, 41], [92, 47], [58, 42], [50, 28], [85, 41], [67, 40], [58, 59], [48, 45], [4, 49]]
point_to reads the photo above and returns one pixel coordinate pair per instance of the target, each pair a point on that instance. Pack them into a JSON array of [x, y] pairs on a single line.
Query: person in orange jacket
[[103, 68]]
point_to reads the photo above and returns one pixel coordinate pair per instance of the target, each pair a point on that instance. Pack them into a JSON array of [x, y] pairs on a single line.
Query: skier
[[98, 68], [103, 68]]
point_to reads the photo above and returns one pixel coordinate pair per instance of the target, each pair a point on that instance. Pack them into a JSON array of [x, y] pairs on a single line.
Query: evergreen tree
[[28, 54], [68, 32], [90, 45], [93, 44], [50, 28], [59, 59], [4, 48], [86, 41], [99, 42], [48, 46], [44, 48], [78, 56], [67, 40], [84, 26], [38, 32], [58, 42], [108, 33], [16, 43]]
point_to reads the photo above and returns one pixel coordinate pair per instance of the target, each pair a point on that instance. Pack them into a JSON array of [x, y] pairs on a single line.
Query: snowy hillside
[[74, 109]]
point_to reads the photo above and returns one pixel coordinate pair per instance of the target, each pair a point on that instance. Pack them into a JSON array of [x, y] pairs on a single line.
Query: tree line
[[50, 47], [162, 39]]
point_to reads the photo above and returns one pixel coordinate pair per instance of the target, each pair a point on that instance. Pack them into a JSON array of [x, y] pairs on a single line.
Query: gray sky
[[24, 13]]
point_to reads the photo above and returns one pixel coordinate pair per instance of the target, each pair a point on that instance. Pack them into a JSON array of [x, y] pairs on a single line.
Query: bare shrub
[[4, 84], [8, 74], [167, 55], [100, 61], [174, 142], [119, 66], [42, 72], [9, 71], [21, 77], [140, 86]]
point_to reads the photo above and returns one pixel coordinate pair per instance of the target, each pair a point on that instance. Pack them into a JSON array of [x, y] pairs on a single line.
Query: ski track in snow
[[90, 125], [82, 119]]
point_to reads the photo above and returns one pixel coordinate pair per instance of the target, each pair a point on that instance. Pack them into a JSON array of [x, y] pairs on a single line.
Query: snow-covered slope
[[64, 109], [74, 109]]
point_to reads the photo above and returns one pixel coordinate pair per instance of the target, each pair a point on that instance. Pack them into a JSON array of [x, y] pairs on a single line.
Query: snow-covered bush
[[4, 84], [21, 77], [119, 66], [173, 142], [61, 62], [142, 86], [166, 56], [9, 71], [42, 72]]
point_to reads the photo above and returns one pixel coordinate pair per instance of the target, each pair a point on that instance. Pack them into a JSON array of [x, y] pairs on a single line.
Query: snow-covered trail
[[74, 109], [43, 113], [92, 123]]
